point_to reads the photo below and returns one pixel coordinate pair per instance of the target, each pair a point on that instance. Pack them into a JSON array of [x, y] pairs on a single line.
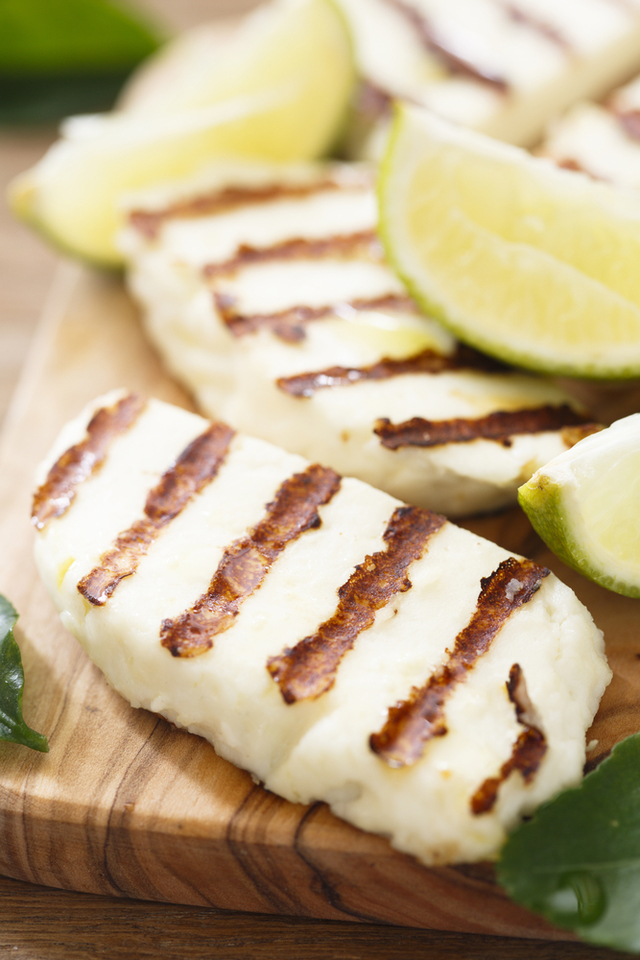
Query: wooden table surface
[[38, 923]]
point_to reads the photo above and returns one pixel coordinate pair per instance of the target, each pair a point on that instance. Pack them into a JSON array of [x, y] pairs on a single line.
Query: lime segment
[[530, 263], [584, 505]]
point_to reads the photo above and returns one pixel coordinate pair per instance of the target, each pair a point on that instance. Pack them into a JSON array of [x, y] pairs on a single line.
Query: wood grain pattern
[[124, 804], [45, 924]]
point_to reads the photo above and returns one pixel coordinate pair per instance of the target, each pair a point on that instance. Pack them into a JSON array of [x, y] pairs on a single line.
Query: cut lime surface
[[292, 113], [585, 504], [530, 263]]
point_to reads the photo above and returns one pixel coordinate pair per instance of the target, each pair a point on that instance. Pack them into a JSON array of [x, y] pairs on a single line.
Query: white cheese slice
[[318, 748], [239, 377], [541, 55]]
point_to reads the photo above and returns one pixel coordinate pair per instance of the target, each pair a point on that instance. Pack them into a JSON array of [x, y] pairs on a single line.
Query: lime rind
[[584, 507], [493, 318]]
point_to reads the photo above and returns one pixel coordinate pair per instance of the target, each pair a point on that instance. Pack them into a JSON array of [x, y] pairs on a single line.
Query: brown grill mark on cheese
[[428, 362], [373, 101], [54, 497], [573, 435], [289, 324], [196, 466], [149, 222], [411, 723], [309, 669], [528, 750], [629, 120], [442, 48], [527, 19], [501, 426], [570, 163], [363, 244], [246, 562]]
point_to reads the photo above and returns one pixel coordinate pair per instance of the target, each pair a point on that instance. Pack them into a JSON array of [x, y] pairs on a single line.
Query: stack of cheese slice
[[338, 644], [504, 68], [266, 292]]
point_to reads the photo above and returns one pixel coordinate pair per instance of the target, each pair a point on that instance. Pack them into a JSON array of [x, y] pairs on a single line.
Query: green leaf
[[59, 57], [28, 100], [12, 725], [49, 36], [577, 861]]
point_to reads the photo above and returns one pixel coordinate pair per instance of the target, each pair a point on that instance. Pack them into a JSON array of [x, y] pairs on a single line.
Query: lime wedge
[[535, 265], [278, 43], [292, 113], [584, 504]]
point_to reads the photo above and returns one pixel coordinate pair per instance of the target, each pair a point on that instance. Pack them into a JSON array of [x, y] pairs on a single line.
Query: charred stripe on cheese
[[246, 562], [373, 101], [149, 222], [526, 19], [196, 466], [54, 497], [501, 425], [528, 750], [411, 723], [309, 669], [363, 244], [629, 120], [570, 163], [289, 324], [444, 49], [427, 362]]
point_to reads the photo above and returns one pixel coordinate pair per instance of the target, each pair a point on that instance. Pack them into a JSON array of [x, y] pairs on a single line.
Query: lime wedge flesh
[[585, 504], [530, 263]]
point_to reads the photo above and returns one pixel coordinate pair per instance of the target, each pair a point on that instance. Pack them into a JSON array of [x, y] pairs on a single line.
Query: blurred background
[[59, 57]]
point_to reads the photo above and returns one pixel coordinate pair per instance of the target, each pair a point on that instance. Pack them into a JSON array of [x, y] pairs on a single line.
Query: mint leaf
[[12, 725], [577, 861]]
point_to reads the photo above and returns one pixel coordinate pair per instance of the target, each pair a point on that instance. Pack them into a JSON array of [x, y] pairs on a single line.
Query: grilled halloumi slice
[[602, 140], [267, 294], [336, 643], [505, 68]]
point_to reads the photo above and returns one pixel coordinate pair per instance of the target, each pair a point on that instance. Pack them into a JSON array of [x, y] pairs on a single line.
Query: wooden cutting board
[[124, 803]]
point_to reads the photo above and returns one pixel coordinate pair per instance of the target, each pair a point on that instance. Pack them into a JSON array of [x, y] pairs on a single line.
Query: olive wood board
[[125, 804]]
